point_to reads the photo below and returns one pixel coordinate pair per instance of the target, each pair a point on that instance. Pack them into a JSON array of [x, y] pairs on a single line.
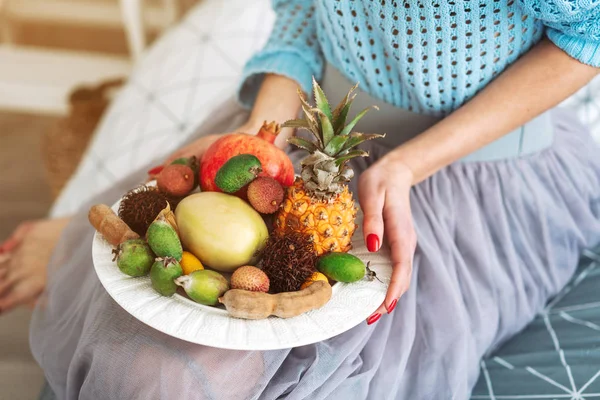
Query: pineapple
[[319, 203]]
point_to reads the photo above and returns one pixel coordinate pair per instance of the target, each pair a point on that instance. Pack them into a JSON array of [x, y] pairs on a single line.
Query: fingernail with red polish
[[8, 245], [156, 170], [392, 306], [373, 242], [373, 318]]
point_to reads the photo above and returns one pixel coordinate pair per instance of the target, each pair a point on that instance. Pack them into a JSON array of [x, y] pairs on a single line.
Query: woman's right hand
[[198, 147], [276, 100]]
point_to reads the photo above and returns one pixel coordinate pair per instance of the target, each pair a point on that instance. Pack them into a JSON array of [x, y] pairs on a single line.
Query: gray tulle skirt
[[496, 240]]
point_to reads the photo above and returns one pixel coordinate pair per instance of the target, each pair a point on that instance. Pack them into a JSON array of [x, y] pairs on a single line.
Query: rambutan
[[140, 206], [288, 261]]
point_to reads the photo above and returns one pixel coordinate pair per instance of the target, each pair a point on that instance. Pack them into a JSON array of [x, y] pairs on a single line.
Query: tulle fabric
[[496, 240]]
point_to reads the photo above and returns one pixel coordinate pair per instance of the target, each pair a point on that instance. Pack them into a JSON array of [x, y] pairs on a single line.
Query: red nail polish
[[8, 245], [156, 170], [373, 318], [392, 306], [372, 242]]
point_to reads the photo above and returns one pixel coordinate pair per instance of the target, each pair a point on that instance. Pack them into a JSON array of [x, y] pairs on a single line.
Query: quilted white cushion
[[191, 70]]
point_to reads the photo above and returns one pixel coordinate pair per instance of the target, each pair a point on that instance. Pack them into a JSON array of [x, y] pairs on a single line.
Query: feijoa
[[134, 257], [204, 286], [163, 273], [237, 172], [163, 239], [341, 267]]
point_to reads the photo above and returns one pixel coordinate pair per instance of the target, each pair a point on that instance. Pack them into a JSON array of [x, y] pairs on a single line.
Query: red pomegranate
[[275, 162]]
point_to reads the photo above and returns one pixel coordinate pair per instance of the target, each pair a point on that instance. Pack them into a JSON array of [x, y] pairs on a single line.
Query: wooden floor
[[23, 195]]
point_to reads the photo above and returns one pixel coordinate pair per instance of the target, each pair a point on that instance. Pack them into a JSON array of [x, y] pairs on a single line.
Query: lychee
[[250, 278], [176, 180], [265, 194]]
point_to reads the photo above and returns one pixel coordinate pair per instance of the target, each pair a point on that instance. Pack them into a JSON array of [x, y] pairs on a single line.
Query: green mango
[[134, 257], [237, 172], [163, 273], [341, 267], [204, 286]]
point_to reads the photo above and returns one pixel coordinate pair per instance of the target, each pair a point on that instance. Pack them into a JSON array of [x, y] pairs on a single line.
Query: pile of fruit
[[272, 243]]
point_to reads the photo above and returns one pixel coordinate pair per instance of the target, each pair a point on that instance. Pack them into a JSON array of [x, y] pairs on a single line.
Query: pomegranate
[[275, 163]]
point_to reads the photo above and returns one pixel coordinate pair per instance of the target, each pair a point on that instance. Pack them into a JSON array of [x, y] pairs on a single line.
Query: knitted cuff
[[287, 64], [585, 50]]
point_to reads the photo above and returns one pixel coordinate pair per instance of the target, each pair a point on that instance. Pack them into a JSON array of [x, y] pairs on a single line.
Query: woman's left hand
[[384, 196]]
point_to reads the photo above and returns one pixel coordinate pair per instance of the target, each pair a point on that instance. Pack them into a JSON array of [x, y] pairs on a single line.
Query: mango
[[223, 231], [341, 267]]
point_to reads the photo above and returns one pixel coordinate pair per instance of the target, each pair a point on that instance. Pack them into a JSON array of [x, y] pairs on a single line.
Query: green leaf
[[321, 100], [335, 145], [313, 124], [303, 99], [303, 144], [296, 123], [348, 128], [326, 128], [340, 121], [353, 154], [341, 110], [355, 139]]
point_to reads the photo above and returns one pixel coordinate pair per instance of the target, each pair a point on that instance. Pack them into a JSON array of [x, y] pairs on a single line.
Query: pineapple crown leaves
[[332, 135], [325, 170]]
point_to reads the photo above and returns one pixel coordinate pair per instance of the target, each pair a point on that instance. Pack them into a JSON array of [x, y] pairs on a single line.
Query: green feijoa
[[134, 257], [163, 273], [204, 286], [237, 172], [341, 267], [163, 239]]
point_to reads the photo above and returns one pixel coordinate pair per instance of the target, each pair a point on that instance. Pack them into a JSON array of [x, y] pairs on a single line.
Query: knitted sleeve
[[573, 25], [292, 50]]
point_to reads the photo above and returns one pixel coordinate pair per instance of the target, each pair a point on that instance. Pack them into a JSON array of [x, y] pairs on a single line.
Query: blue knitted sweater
[[428, 56]]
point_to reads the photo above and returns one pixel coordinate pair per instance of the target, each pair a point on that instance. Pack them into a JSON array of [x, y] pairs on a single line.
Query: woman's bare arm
[[541, 79]]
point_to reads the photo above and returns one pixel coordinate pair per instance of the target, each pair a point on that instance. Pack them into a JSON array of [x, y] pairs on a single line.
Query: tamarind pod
[[257, 305], [291, 304], [248, 305], [106, 222]]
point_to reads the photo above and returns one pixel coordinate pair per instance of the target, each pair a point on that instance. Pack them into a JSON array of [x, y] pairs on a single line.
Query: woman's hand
[[198, 147], [383, 191], [276, 101], [24, 258]]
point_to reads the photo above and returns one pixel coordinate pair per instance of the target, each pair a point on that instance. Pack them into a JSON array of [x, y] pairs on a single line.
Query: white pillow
[[193, 68]]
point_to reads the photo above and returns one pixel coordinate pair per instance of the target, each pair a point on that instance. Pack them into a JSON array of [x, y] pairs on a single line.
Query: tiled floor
[[23, 195]]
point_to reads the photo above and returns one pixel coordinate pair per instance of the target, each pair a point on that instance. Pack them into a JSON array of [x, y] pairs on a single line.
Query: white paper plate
[[182, 318]]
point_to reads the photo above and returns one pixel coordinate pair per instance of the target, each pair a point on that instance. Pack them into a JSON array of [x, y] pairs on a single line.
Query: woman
[[501, 195]]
